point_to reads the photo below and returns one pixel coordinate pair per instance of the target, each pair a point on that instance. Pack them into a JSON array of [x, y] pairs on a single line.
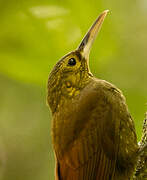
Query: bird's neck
[[60, 93]]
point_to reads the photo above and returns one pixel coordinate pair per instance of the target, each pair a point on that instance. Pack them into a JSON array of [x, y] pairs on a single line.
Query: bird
[[93, 133]]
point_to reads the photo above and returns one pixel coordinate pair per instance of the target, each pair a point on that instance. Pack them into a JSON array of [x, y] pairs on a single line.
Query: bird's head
[[71, 72]]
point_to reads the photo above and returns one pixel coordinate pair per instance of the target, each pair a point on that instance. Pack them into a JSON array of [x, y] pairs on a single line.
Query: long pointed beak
[[90, 36]]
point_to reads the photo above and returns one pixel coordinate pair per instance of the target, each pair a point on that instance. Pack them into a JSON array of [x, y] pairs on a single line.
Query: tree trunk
[[141, 169]]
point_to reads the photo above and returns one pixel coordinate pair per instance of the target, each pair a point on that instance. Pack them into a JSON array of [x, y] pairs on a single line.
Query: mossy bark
[[141, 169]]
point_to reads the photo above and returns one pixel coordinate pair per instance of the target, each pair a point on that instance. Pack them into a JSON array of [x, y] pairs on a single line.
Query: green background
[[34, 34]]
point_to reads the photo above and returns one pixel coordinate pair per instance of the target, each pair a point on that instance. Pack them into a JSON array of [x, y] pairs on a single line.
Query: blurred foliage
[[34, 34]]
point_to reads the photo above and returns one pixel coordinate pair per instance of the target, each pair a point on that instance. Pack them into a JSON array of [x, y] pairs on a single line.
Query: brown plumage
[[93, 133]]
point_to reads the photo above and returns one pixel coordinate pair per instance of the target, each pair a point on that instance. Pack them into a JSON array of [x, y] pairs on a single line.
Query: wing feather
[[90, 152]]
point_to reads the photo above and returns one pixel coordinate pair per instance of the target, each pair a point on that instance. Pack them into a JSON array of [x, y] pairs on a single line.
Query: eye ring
[[71, 62]]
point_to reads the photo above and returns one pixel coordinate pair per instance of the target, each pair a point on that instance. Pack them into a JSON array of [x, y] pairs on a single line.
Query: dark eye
[[72, 62]]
